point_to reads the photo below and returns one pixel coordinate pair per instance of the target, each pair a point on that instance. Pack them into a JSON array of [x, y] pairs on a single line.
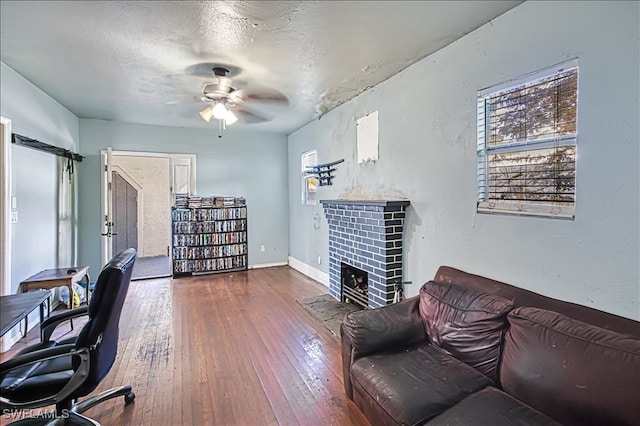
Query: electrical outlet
[[319, 260], [14, 217], [262, 248]]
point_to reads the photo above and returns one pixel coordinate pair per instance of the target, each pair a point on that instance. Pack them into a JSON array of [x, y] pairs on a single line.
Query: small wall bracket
[[324, 172]]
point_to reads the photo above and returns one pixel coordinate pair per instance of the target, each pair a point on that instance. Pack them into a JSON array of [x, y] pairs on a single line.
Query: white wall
[[427, 155], [34, 113], [36, 236], [241, 163], [34, 173]]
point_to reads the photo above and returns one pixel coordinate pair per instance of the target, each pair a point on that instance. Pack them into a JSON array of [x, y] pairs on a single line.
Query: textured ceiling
[[147, 61]]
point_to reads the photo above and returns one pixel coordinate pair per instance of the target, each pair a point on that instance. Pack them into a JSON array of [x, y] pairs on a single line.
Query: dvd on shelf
[[209, 234]]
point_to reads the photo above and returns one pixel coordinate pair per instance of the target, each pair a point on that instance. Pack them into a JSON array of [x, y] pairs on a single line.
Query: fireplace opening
[[354, 285]]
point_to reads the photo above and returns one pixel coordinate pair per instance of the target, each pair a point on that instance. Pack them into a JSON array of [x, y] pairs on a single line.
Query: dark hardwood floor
[[225, 349]]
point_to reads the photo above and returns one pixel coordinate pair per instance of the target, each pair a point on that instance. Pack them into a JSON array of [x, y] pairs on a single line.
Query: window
[[309, 181], [527, 134]]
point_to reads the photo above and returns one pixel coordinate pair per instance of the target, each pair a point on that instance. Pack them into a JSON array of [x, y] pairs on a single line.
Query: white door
[[106, 218], [5, 207], [183, 175]]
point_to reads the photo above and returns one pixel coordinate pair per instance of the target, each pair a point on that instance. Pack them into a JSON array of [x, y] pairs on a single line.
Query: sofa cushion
[[412, 385], [575, 372], [491, 406], [466, 323]]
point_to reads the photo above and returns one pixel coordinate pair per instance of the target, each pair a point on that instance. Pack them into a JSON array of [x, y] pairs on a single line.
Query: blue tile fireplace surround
[[367, 235]]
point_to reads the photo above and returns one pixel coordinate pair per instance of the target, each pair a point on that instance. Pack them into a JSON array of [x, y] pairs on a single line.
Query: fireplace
[[354, 285], [365, 235]]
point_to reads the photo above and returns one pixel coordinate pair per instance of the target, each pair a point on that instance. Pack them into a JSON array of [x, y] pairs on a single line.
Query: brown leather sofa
[[469, 350]]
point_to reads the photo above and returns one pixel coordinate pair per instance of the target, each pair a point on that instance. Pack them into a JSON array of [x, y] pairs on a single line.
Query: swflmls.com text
[[23, 413]]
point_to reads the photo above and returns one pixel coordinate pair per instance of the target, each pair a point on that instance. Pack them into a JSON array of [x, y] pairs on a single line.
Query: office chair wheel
[[128, 398]]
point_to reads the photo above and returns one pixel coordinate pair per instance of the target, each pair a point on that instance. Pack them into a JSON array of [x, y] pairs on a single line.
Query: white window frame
[[310, 182], [528, 208]]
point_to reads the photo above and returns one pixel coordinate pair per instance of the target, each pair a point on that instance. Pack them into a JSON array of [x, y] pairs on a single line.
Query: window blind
[[526, 145]]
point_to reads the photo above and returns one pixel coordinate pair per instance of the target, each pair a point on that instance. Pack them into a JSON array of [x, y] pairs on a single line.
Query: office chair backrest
[[100, 333]]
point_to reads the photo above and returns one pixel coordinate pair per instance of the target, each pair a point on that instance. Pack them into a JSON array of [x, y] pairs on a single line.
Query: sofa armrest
[[370, 331], [373, 330]]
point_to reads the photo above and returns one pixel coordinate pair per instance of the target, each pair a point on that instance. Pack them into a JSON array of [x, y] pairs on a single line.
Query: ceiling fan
[[225, 102]]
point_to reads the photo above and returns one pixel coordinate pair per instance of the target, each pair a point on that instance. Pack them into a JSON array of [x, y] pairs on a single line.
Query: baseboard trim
[[310, 271], [267, 265]]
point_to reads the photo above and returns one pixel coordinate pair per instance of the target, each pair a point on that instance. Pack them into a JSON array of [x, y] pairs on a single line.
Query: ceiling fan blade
[[271, 96], [251, 117]]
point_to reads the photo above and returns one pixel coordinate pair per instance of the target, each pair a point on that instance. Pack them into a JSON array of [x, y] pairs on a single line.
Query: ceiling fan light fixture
[[230, 118], [219, 111], [207, 114]]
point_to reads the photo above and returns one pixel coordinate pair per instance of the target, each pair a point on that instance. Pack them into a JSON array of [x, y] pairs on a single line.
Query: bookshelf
[[209, 235]]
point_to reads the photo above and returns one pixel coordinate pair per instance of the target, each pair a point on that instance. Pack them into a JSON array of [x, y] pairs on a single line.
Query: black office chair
[[61, 372]]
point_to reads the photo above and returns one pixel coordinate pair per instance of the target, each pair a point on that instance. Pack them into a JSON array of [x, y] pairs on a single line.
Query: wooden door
[[125, 214]]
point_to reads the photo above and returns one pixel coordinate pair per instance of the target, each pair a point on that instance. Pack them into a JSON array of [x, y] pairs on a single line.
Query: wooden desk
[[17, 307], [51, 278]]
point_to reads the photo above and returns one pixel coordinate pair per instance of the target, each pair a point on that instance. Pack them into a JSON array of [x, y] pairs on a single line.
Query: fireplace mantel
[[382, 203]]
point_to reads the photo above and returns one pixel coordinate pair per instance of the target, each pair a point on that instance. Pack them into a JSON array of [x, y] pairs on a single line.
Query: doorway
[[138, 193], [125, 214], [5, 207]]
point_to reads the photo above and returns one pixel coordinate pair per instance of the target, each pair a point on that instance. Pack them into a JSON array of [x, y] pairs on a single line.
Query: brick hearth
[[367, 235]]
